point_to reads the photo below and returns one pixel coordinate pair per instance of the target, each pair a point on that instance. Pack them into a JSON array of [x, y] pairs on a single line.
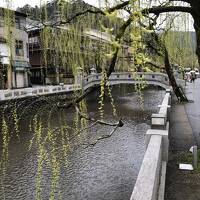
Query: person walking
[[193, 77]]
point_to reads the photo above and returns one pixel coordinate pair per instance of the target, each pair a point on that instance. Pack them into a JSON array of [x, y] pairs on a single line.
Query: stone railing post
[[79, 77]]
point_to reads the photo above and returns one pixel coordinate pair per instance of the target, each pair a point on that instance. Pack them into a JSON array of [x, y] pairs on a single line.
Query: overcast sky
[[20, 3]]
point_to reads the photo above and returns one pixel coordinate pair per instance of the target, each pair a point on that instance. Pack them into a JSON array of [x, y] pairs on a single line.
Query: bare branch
[[82, 115], [96, 11], [102, 138], [118, 7], [116, 125], [164, 9]]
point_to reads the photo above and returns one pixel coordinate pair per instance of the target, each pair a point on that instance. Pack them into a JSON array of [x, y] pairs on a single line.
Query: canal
[[105, 171]]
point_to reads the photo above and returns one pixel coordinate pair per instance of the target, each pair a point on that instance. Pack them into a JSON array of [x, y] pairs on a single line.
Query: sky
[[20, 3]]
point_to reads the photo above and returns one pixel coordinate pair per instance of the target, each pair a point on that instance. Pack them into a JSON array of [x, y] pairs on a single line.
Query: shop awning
[[20, 65]]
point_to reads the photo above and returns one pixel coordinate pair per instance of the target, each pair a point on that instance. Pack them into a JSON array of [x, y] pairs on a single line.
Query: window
[[17, 23], [33, 40], [19, 51], [2, 22], [2, 40]]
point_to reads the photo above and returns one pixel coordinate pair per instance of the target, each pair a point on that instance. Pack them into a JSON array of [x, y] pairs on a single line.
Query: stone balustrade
[[158, 79], [36, 91], [150, 183]]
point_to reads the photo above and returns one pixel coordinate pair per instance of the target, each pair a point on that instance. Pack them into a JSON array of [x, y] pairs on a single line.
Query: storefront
[[21, 74]]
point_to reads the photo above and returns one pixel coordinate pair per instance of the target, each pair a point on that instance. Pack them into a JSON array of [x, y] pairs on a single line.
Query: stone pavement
[[193, 109], [184, 132]]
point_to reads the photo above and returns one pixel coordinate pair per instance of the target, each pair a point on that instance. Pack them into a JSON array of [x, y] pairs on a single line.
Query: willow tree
[[157, 8], [137, 12]]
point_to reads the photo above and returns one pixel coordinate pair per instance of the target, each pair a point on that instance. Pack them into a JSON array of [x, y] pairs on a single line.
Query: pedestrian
[[193, 76]]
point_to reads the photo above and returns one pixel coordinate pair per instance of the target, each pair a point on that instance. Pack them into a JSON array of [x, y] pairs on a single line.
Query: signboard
[[20, 65]]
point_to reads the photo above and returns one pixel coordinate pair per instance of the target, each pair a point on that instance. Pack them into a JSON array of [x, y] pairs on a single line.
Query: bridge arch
[[157, 79]]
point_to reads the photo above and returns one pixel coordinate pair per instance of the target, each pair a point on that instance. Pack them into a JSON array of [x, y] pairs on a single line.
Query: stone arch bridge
[[157, 79], [115, 78]]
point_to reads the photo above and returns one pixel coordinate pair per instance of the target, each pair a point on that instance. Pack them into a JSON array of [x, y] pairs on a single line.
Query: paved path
[[184, 132], [193, 109], [181, 134]]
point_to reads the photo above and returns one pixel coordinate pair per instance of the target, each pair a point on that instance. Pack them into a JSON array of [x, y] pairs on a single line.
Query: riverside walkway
[[184, 132]]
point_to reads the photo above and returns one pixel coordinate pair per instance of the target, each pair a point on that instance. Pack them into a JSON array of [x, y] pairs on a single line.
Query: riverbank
[[184, 132]]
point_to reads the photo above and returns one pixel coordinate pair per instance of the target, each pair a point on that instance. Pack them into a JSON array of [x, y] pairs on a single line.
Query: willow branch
[[118, 38], [155, 65], [111, 67], [93, 11], [118, 7], [82, 115], [102, 138], [116, 125]]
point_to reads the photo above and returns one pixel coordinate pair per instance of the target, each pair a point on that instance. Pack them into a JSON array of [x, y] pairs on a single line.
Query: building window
[[17, 23], [2, 40], [19, 51], [33, 40], [2, 22]]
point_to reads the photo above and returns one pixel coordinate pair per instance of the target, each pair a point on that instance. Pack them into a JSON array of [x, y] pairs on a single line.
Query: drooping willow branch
[[155, 65], [111, 67], [101, 138], [82, 115], [116, 125]]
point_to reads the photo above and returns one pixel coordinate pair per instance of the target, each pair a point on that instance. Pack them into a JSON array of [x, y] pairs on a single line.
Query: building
[[14, 54], [92, 45]]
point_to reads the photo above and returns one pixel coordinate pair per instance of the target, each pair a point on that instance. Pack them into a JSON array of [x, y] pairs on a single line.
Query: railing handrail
[[150, 183]]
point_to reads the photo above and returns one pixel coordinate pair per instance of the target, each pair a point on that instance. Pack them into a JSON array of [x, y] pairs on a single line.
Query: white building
[[14, 54]]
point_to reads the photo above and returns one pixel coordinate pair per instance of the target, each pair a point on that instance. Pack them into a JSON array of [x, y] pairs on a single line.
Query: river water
[[106, 171]]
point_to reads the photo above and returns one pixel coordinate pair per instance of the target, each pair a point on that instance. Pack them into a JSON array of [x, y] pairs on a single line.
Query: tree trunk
[[177, 90], [159, 47]]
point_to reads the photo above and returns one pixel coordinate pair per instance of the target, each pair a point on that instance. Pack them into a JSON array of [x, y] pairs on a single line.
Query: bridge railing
[[150, 183], [128, 77], [36, 91]]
